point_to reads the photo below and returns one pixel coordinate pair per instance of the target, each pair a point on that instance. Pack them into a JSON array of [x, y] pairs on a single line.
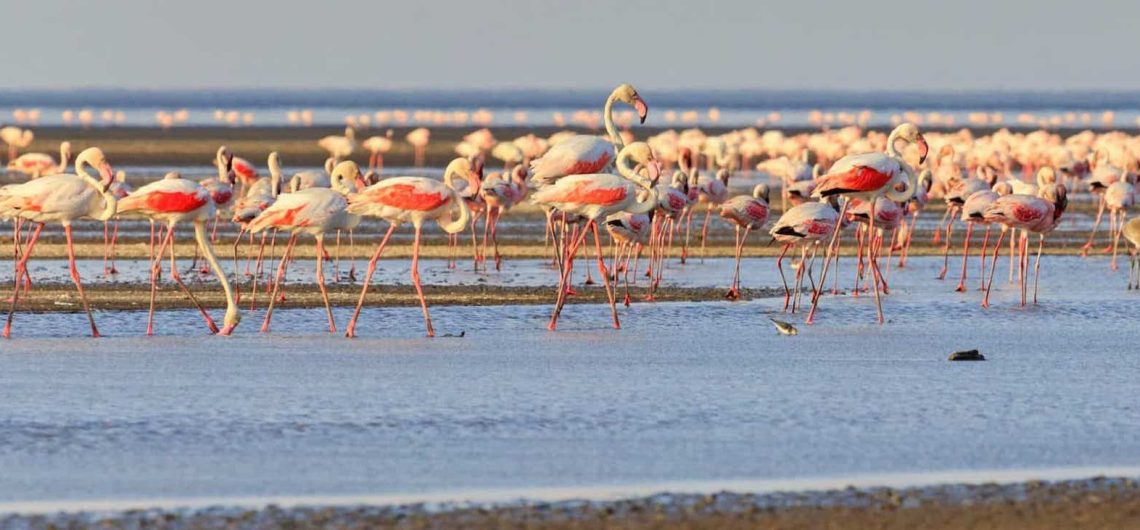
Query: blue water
[[686, 392], [738, 107]]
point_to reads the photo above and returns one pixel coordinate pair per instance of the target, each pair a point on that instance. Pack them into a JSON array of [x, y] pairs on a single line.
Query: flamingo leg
[[350, 330], [832, 251], [965, 257], [946, 246], [733, 293], [993, 269], [982, 258], [321, 281], [178, 279], [155, 266], [336, 258], [909, 234], [1037, 266], [21, 269], [78, 283], [351, 256], [800, 272], [284, 262], [1115, 240], [876, 275], [106, 247], [705, 231], [114, 240], [495, 238], [564, 282], [1096, 224], [784, 279], [605, 275], [416, 281]]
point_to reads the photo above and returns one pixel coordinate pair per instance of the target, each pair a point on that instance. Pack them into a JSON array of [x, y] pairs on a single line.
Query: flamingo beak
[[923, 149], [360, 183], [642, 108], [106, 175]]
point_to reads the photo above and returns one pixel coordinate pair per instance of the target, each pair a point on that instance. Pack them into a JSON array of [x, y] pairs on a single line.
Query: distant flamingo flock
[[642, 193]]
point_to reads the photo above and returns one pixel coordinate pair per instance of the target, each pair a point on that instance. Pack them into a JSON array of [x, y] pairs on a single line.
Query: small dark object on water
[[454, 335], [968, 355]]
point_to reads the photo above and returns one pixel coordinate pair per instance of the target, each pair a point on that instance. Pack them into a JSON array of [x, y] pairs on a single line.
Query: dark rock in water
[[968, 355]]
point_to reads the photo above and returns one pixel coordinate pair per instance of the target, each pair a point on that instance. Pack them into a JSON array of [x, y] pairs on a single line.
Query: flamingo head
[[761, 191], [94, 157], [625, 93], [230, 322], [344, 173], [923, 148]]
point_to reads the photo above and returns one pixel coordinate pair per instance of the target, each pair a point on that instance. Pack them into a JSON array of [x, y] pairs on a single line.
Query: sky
[[580, 44]]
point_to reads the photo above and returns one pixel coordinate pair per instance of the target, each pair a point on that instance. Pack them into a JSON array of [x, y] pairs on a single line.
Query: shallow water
[[685, 392]]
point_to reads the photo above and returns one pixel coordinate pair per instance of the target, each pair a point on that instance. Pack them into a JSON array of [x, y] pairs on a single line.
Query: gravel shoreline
[[1098, 502]]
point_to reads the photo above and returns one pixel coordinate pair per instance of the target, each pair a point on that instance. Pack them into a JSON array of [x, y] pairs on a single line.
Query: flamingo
[[500, 192], [172, 200], [745, 212], [221, 188], [973, 213], [915, 206], [119, 188], [377, 146], [339, 146], [711, 192], [416, 200], [16, 138], [1039, 215], [595, 197], [955, 197], [868, 176], [419, 139], [62, 198], [1103, 176], [245, 172], [313, 211], [586, 154], [630, 233], [805, 224], [1131, 232], [1118, 198], [887, 216], [37, 165]]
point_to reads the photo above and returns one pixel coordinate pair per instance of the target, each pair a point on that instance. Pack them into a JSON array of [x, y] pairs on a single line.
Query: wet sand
[[1093, 503], [63, 298]]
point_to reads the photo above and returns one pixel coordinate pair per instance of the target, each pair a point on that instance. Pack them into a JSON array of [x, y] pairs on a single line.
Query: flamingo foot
[[961, 288], [627, 300], [1106, 250], [733, 294]]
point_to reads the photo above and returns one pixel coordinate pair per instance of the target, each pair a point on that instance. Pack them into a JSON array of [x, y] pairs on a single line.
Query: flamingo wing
[[576, 155]]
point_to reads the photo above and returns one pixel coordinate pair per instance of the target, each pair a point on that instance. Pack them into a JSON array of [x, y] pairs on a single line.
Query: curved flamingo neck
[[608, 117], [891, 141]]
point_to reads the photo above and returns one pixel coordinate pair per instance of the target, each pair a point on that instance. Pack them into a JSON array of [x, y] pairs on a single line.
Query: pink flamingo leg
[[321, 282], [1096, 224], [605, 275], [350, 330], [564, 281], [982, 259], [280, 279], [1037, 266], [114, 240], [876, 275], [21, 268], [832, 251], [416, 281], [78, 282], [178, 279], [993, 270], [784, 279], [155, 267], [965, 258]]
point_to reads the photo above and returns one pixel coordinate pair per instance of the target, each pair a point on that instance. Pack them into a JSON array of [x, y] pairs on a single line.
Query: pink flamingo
[[805, 224], [419, 139], [1118, 198], [1039, 215], [16, 138], [62, 198], [868, 176], [314, 211], [583, 154], [377, 146], [745, 212], [955, 198], [1103, 176], [173, 200], [501, 192], [37, 165], [673, 201], [915, 207], [887, 215], [595, 197], [221, 188], [339, 147], [973, 213], [416, 200], [629, 233], [120, 189]]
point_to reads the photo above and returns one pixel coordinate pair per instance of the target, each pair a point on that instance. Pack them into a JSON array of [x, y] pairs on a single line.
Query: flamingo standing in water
[[339, 146], [1039, 215], [973, 213], [173, 200], [419, 139], [500, 192], [745, 212], [377, 146], [595, 197], [120, 189], [416, 200], [1131, 232], [870, 235], [629, 233], [37, 165], [809, 223], [1104, 175], [711, 192], [672, 203], [1118, 198], [313, 211], [16, 138], [867, 177], [221, 188], [62, 198], [955, 198]]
